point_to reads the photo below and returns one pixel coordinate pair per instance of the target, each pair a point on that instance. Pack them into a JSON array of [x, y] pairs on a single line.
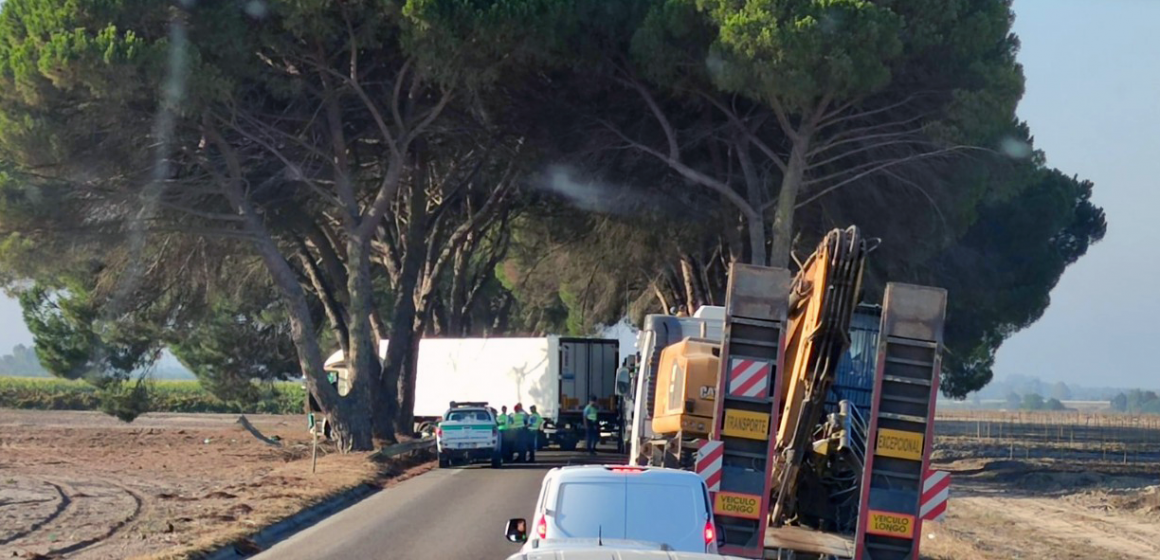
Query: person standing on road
[[502, 421], [520, 425], [591, 426], [535, 425]]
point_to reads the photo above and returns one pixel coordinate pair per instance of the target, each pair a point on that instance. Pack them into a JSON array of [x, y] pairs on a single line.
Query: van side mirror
[[516, 530]]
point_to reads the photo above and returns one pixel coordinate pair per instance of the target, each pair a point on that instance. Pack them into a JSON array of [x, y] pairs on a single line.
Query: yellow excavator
[[791, 475]]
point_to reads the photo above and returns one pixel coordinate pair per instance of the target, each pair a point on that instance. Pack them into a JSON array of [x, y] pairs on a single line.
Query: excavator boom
[[822, 301]]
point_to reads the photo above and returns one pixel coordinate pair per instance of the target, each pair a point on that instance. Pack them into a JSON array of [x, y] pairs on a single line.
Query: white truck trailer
[[556, 374]]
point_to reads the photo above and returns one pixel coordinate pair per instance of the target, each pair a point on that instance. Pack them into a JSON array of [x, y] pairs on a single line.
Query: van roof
[[590, 472]]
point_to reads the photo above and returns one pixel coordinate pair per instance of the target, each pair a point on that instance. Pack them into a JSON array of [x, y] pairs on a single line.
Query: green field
[[167, 396]]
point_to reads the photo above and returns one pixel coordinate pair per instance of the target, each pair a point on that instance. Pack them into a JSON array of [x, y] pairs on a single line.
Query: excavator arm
[[822, 301]]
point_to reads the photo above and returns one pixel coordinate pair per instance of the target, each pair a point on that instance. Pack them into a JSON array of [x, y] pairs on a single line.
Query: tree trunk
[[689, 277], [661, 298], [786, 200], [363, 365], [377, 327], [413, 252], [330, 305], [755, 195], [755, 225], [500, 321], [458, 294], [408, 376], [348, 417]]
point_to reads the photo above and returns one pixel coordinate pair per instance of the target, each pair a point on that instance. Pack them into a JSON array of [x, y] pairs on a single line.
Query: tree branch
[[749, 133], [881, 167], [689, 173]]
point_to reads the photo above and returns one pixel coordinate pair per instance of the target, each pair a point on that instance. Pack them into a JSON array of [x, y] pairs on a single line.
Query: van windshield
[[672, 514], [591, 509], [665, 513]]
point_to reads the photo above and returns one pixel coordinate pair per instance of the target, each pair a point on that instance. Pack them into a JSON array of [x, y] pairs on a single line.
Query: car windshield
[[468, 416]]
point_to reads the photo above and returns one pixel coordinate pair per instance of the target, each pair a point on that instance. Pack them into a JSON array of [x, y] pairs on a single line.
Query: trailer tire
[[567, 443], [444, 462], [496, 461]]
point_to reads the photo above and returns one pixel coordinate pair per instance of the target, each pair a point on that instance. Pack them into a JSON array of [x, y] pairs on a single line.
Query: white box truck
[[557, 374]]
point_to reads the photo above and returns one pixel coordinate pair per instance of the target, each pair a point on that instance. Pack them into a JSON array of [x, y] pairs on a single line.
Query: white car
[[467, 433], [588, 549], [667, 507]]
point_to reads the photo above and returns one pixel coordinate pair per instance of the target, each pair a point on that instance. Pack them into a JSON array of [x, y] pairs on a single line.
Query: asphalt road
[[445, 514]]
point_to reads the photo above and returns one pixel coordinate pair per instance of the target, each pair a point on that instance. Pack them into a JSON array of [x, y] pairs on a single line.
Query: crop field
[[1061, 485], [30, 393], [1071, 435]]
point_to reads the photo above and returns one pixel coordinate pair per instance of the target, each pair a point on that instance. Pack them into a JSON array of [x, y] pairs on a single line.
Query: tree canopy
[[297, 175]]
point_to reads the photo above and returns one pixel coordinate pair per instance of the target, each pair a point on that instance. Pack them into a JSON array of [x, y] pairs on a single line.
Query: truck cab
[[657, 333]]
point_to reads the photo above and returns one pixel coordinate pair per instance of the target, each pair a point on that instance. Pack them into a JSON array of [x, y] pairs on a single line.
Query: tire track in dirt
[[94, 495], [138, 504], [63, 504]]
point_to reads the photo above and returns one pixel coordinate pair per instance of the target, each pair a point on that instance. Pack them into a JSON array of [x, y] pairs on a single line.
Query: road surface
[[451, 514]]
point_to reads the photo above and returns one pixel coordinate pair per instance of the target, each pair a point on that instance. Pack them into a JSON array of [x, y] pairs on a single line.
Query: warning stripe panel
[[749, 378], [935, 480], [936, 488], [936, 513], [709, 459]]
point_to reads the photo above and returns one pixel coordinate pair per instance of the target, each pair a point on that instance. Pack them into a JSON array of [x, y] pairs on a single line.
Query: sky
[[1093, 103], [1092, 94]]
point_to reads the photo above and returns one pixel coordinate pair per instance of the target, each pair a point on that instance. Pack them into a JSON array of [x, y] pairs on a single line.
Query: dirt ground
[[1045, 508], [86, 486]]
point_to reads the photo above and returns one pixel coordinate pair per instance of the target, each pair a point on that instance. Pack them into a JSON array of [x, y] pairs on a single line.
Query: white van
[[668, 507]]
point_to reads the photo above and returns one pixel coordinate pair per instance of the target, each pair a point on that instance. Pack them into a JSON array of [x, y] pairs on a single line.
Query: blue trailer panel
[[855, 377]]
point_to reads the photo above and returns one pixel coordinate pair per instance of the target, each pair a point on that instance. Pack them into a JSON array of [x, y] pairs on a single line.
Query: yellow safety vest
[[590, 413], [501, 422], [536, 421], [520, 420]]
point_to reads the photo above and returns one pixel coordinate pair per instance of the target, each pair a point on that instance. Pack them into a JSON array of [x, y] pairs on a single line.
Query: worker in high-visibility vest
[[591, 426], [503, 420], [520, 425], [535, 429]]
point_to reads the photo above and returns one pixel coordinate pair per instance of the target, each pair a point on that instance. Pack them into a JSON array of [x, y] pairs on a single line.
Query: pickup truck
[[468, 433]]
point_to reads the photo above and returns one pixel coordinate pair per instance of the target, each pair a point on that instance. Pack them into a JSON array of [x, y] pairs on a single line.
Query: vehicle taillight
[[628, 469], [439, 431], [710, 533], [542, 528]]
